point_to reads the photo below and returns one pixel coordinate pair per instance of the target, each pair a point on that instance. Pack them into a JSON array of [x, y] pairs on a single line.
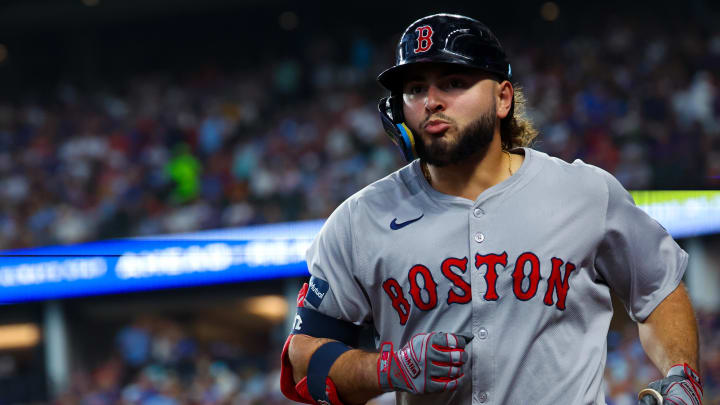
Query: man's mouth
[[436, 126]]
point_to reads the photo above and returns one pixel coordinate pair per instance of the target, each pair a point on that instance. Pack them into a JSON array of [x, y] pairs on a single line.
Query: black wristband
[[319, 368]]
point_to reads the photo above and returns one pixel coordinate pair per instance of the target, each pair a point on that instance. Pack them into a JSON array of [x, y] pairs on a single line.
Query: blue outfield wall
[[165, 261], [240, 254]]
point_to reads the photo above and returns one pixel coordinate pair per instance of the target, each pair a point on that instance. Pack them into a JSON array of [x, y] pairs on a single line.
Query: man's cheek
[[415, 130]]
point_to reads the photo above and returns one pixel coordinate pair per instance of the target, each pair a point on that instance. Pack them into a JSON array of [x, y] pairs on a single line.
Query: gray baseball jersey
[[527, 268]]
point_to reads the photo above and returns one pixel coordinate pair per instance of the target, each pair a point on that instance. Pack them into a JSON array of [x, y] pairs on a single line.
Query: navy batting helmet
[[439, 38]]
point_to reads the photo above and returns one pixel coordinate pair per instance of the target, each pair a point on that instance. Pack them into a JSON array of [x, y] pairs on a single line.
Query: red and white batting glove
[[429, 362], [682, 386]]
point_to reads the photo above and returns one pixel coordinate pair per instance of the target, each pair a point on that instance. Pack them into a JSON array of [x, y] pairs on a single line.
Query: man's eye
[[456, 83], [415, 89]]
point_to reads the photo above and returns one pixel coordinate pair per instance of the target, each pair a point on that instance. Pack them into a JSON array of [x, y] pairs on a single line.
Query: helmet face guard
[[439, 38]]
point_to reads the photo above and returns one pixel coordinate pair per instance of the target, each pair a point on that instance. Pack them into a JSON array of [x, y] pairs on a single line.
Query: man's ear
[[504, 98]]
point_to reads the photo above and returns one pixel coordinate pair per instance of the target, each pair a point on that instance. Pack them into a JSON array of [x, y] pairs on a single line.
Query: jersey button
[[482, 397], [482, 333], [478, 212], [479, 237]]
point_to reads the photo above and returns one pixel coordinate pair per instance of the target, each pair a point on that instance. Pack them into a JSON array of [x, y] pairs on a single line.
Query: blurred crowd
[[291, 138], [709, 324], [157, 361]]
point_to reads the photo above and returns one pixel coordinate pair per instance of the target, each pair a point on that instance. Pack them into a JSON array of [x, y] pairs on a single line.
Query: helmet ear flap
[[396, 106], [393, 120]]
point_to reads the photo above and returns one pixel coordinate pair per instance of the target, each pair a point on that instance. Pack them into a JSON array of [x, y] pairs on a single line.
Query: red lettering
[[430, 287], [457, 280], [519, 276], [395, 292], [424, 38], [558, 283], [490, 260], [526, 279]]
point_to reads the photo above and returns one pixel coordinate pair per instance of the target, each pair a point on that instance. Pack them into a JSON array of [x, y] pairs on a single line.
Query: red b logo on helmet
[[424, 38]]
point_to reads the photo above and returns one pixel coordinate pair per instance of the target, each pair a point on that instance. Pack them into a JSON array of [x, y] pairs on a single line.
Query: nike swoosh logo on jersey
[[395, 226]]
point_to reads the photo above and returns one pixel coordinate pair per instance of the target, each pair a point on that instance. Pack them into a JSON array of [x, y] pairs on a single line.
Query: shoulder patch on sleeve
[[317, 290]]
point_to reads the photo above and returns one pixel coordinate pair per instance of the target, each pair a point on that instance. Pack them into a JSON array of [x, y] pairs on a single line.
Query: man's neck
[[470, 178]]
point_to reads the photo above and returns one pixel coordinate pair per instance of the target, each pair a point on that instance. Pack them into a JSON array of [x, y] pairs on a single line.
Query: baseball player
[[485, 267]]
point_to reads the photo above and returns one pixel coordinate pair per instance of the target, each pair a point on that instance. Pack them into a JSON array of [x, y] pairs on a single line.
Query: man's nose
[[434, 101]]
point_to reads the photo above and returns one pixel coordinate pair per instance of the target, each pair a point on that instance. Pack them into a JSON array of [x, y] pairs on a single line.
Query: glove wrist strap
[[384, 365], [685, 371]]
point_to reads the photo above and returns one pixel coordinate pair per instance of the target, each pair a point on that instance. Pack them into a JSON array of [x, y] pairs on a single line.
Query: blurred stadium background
[[164, 164]]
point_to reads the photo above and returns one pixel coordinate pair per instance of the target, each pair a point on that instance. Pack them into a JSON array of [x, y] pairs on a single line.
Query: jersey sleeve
[[333, 288], [637, 257]]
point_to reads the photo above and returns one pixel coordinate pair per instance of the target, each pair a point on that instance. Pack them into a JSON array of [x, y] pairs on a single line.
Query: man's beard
[[472, 141]]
